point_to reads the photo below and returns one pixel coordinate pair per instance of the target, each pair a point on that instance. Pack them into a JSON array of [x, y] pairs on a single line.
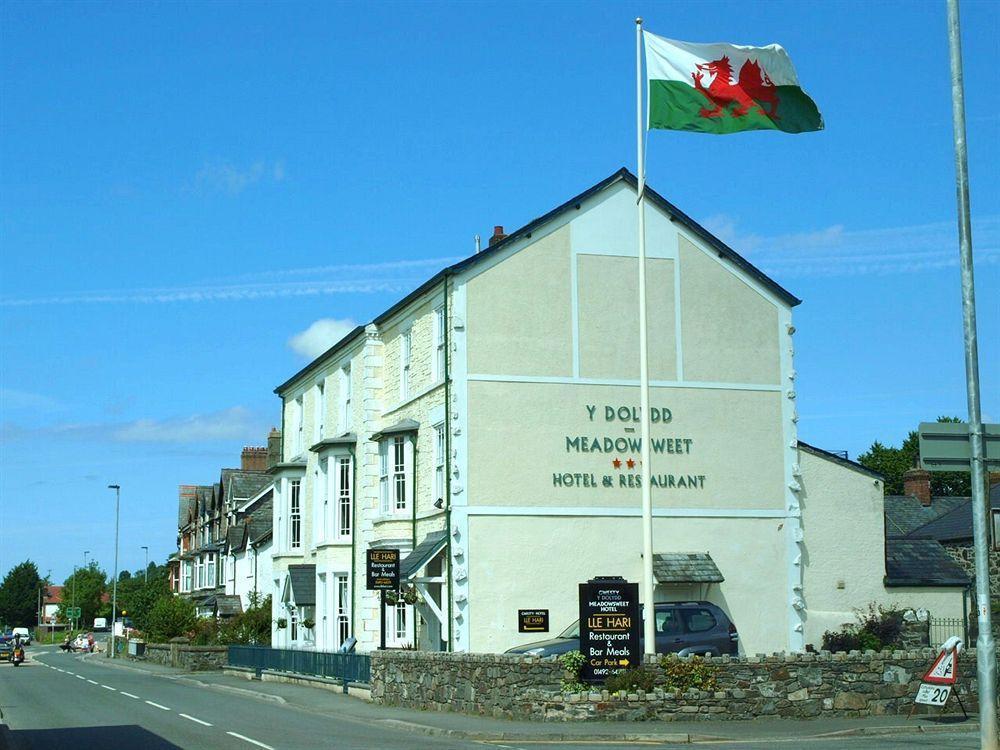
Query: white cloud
[[838, 251], [235, 423], [320, 336], [225, 177], [11, 398]]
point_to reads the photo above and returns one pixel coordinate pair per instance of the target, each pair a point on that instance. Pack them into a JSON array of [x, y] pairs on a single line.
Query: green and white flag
[[725, 88]]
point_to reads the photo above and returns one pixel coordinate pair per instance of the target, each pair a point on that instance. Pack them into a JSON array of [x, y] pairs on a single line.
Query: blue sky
[[186, 187]]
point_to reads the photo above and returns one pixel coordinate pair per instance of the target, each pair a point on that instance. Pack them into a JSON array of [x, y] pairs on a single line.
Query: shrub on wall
[[572, 663], [878, 627], [685, 674], [631, 680], [170, 617]]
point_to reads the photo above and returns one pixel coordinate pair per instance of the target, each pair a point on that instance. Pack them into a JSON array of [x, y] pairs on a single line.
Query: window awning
[[302, 579], [422, 554], [348, 439], [686, 567], [403, 426]]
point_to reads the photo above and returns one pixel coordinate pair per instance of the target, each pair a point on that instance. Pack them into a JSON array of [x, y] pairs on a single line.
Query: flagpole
[[649, 625]]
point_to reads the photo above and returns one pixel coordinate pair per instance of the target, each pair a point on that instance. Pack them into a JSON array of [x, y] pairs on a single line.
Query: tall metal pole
[[649, 625], [72, 620], [114, 583], [985, 646]]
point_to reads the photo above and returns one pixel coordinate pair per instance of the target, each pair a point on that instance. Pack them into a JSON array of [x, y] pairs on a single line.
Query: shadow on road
[[83, 738]]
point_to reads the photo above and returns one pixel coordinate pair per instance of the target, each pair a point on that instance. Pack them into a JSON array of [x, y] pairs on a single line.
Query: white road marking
[[196, 721], [93, 682], [108, 687], [130, 695], [80, 677], [252, 742], [157, 705]]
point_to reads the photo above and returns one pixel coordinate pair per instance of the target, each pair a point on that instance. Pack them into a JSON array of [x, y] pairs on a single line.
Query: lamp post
[[146, 569], [114, 584]]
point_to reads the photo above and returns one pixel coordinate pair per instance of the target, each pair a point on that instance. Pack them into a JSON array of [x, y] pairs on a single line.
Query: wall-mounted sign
[[610, 626], [532, 621], [383, 570]]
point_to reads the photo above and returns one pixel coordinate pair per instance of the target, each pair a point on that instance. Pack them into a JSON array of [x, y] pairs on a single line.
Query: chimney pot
[[498, 235], [917, 482], [253, 459]]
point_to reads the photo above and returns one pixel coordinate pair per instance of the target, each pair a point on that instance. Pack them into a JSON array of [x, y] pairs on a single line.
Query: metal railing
[[348, 668], [943, 628]]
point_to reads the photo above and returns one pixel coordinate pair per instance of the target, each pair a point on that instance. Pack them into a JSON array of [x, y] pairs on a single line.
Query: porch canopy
[[422, 554], [686, 567]]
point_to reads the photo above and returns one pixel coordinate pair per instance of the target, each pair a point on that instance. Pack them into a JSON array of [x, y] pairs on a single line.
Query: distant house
[[204, 516], [50, 604], [248, 548], [946, 523]]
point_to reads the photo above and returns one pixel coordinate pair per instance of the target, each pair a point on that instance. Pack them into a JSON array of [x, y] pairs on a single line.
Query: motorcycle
[[18, 656]]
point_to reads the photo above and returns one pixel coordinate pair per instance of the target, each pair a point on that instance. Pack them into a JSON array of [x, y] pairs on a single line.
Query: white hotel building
[[485, 425]]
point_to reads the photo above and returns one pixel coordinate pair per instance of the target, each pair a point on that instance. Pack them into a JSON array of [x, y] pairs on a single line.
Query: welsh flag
[[725, 88]]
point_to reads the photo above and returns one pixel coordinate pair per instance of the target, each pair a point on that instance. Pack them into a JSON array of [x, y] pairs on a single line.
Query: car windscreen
[[573, 631]]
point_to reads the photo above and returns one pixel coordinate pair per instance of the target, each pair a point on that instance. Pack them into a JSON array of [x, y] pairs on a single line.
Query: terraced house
[[487, 426]]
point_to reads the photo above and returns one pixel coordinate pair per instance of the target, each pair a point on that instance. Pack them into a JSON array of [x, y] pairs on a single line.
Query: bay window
[[344, 499], [294, 514], [394, 460]]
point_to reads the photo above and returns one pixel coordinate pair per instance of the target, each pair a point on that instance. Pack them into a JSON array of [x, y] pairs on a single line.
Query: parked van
[[24, 633], [101, 623]]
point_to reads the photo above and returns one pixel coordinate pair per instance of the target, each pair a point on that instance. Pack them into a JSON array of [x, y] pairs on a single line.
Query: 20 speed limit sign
[[933, 695]]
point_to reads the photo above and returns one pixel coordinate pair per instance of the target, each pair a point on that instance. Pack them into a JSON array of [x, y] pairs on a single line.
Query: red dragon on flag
[[754, 88]]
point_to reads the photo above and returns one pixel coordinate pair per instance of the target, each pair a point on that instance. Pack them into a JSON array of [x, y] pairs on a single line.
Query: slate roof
[[303, 580], [845, 462], [622, 175], [422, 554], [956, 524], [686, 567], [228, 605], [403, 425], [920, 562], [261, 520], [245, 484], [904, 513], [185, 503], [348, 438], [235, 537]]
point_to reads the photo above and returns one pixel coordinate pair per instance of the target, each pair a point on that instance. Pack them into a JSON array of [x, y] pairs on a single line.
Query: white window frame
[[319, 405], [294, 514], [342, 611], [395, 483], [345, 398], [439, 450], [299, 426], [399, 624], [344, 513], [405, 360], [439, 324], [995, 528], [187, 576], [210, 571], [321, 499]]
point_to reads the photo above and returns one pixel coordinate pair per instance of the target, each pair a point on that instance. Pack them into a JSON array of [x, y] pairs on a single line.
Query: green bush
[[878, 627], [170, 616], [684, 674], [251, 628], [572, 662], [631, 680]]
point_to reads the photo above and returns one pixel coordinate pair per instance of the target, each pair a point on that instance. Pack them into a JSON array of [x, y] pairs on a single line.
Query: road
[[58, 701]]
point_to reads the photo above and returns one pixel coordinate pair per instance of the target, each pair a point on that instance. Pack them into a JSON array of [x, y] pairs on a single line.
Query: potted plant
[[391, 597], [281, 623], [411, 595], [308, 624]]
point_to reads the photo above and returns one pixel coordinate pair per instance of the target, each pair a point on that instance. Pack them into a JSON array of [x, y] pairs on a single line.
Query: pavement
[[61, 700]]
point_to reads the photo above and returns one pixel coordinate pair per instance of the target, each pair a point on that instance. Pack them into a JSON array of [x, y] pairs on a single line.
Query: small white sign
[[933, 695]]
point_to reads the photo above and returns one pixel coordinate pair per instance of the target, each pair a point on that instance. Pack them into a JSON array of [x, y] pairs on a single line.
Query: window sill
[[402, 516], [334, 543]]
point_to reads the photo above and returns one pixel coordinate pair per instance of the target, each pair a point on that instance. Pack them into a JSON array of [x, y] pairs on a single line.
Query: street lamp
[[114, 585], [146, 578]]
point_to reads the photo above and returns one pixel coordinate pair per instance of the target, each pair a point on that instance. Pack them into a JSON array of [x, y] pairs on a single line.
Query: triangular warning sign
[[944, 670]]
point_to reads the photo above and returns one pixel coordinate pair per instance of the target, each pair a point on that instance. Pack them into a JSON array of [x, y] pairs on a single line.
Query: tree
[[136, 595], [19, 595], [170, 617], [91, 585], [892, 463]]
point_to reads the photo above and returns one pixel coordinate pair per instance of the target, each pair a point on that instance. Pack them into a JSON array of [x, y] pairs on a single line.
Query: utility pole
[[114, 584], [985, 646]]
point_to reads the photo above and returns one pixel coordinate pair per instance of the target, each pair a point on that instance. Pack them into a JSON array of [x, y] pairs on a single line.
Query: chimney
[[274, 447], [498, 235], [917, 482], [253, 459]]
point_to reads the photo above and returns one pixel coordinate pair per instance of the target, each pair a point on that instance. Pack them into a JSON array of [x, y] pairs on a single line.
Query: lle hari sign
[[610, 626], [622, 451]]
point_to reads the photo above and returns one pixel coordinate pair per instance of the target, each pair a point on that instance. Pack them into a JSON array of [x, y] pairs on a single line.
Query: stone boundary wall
[[183, 656], [778, 686]]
